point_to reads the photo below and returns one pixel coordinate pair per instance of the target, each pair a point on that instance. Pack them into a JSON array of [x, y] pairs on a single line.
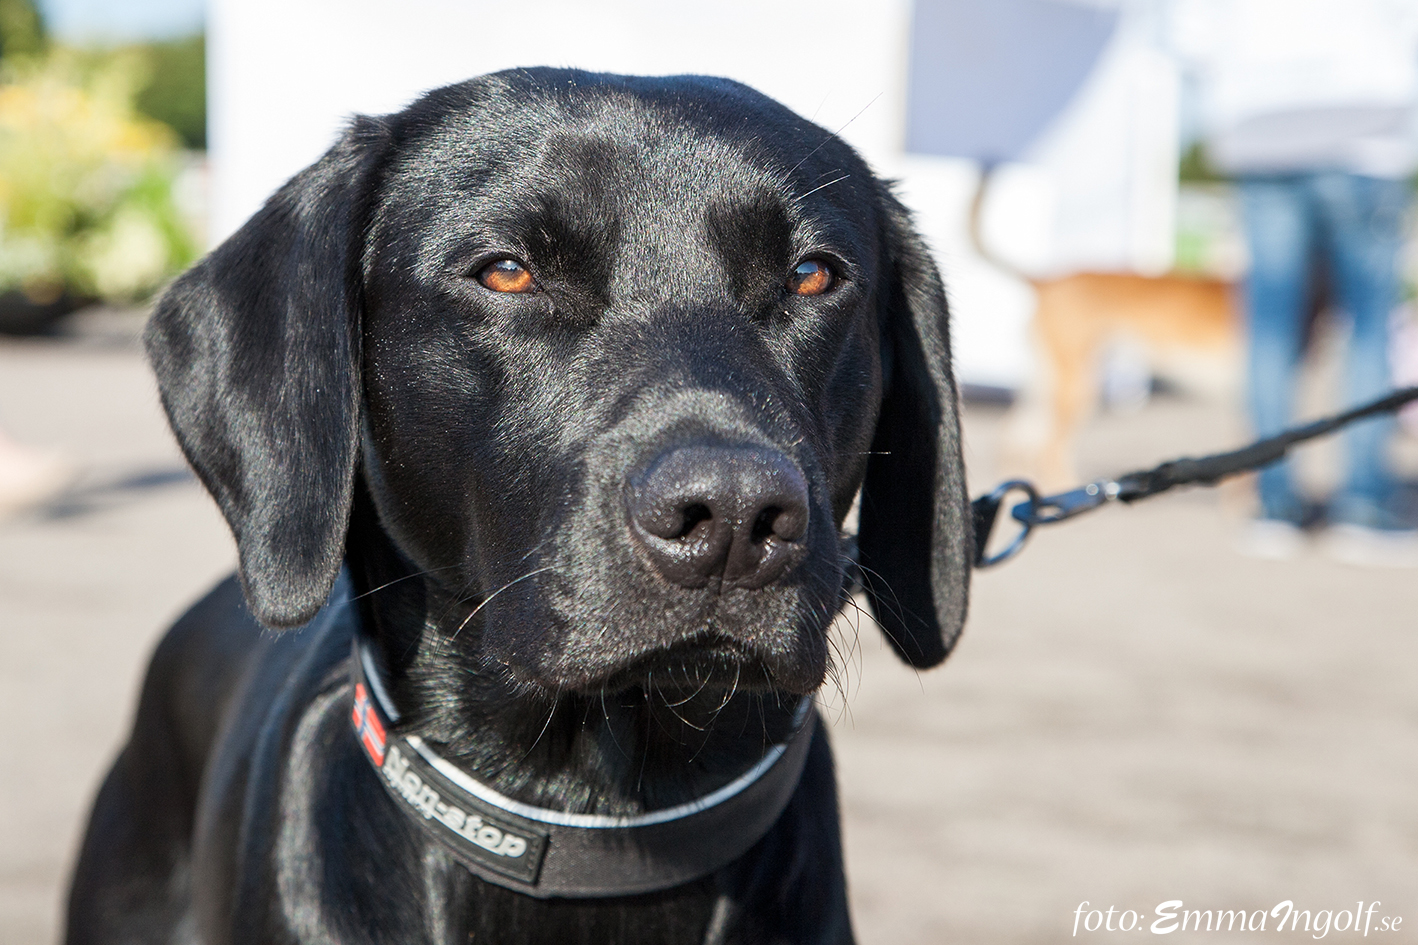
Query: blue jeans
[[1356, 224]]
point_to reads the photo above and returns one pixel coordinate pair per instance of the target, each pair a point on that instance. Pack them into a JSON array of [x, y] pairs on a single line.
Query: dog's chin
[[714, 669], [680, 677]]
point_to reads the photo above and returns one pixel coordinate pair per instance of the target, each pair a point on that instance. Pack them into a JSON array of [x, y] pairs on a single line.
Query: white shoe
[[1366, 547], [1271, 539]]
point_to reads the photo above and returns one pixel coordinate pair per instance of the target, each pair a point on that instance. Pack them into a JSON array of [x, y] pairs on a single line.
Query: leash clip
[[985, 510], [1064, 505], [1033, 511]]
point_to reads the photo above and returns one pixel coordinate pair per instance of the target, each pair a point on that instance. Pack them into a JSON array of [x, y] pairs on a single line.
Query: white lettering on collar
[[427, 801]]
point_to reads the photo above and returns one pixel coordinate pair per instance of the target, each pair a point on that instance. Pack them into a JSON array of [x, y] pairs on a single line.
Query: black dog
[[565, 384]]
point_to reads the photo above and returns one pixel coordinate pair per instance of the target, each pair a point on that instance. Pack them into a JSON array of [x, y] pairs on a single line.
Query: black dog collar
[[545, 852]]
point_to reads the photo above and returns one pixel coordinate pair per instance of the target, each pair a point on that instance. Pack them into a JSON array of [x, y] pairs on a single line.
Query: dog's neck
[[619, 753]]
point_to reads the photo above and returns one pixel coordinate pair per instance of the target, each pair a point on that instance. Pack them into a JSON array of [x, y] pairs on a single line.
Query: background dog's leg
[[1071, 345]]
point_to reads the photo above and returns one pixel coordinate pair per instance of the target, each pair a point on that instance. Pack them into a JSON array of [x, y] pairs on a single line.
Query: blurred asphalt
[[1134, 715]]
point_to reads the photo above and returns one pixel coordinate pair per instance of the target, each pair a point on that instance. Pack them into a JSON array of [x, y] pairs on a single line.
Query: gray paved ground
[[1135, 714]]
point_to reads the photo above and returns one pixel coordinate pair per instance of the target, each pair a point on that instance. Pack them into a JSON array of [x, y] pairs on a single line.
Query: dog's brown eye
[[812, 277], [505, 275]]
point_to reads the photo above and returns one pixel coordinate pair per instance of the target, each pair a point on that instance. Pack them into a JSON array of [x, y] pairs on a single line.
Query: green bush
[[86, 182], [176, 91], [21, 28]]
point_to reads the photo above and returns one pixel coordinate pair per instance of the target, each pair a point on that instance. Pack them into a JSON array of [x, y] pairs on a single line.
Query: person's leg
[[1279, 233], [1363, 224]]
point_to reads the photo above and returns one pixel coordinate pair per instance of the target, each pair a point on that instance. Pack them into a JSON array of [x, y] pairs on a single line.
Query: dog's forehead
[[653, 151]]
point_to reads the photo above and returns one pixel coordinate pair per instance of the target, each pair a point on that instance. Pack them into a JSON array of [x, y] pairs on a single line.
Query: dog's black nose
[[706, 514]]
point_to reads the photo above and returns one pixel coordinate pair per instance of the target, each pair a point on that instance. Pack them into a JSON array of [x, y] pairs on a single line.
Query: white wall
[[284, 75]]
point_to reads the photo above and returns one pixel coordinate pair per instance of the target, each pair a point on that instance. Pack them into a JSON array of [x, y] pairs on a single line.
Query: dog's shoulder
[[209, 742], [284, 782]]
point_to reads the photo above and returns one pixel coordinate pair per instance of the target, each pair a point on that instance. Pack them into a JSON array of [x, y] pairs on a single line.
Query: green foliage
[[21, 28], [176, 91], [1196, 168], [87, 185]]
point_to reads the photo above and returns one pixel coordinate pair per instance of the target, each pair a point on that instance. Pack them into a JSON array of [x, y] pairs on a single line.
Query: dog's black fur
[[352, 395]]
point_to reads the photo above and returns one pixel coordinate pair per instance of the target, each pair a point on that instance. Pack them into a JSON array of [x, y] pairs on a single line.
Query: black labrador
[[539, 407]]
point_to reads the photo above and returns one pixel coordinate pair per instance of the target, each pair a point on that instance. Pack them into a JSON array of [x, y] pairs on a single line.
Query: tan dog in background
[[1187, 327]]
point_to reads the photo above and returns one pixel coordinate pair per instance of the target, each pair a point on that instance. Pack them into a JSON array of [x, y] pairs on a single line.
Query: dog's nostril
[[787, 523], [763, 525], [693, 516]]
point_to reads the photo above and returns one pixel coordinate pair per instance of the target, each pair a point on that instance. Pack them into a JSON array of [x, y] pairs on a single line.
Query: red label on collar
[[367, 725]]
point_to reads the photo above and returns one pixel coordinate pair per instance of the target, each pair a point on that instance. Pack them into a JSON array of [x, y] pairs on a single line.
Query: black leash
[[1207, 470]]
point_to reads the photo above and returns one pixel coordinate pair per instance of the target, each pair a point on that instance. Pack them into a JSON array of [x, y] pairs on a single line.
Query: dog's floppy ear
[[256, 351], [915, 540]]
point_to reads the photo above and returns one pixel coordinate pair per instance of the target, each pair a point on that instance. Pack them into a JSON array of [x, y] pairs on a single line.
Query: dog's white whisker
[[645, 739], [803, 197], [489, 598], [875, 580], [833, 137], [400, 580], [610, 728], [738, 668], [551, 713], [703, 681], [686, 722]]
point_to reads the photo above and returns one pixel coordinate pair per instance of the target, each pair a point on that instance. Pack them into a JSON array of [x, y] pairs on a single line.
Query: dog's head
[[611, 358]]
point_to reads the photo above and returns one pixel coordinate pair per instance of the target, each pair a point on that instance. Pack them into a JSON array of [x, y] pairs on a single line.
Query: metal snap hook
[[985, 511]]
